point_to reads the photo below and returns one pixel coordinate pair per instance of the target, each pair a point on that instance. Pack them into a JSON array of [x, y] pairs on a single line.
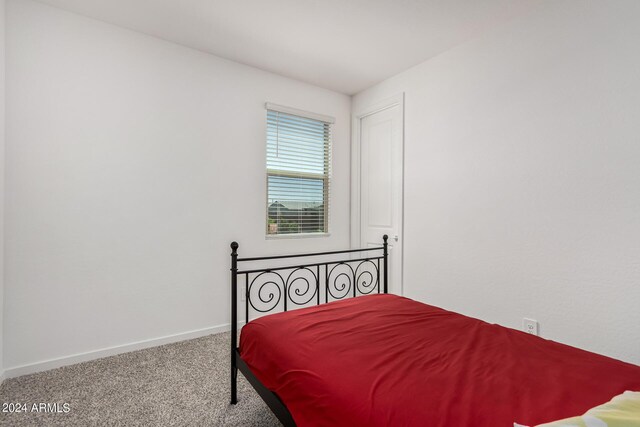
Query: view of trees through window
[[297, 174]]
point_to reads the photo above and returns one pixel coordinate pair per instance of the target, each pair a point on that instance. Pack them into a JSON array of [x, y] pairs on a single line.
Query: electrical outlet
[[530, 326]]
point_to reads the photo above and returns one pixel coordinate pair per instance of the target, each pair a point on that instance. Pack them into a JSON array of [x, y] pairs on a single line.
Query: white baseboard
[[45, 365]]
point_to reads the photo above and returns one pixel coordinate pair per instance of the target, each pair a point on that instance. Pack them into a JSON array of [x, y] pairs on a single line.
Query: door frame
[[356, 161]]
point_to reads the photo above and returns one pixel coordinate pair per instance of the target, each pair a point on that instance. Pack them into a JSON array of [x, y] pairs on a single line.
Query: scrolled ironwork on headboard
[[268, 289]]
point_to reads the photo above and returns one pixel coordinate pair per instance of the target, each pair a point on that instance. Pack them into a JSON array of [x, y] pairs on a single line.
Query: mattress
[[384, 360]]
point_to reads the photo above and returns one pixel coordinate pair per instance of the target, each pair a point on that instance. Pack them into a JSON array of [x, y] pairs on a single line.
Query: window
[[298, 171]]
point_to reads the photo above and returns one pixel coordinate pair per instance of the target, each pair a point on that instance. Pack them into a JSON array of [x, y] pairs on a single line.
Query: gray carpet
[[181, 384]]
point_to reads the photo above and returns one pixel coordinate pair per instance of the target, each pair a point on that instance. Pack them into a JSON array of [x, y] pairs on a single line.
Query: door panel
[[378, 170], [381, 171]]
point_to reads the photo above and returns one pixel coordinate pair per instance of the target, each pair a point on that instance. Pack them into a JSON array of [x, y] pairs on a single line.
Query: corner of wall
[[2, 144]]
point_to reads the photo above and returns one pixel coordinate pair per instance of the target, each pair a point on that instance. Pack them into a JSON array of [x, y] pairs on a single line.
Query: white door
[[381, 194]]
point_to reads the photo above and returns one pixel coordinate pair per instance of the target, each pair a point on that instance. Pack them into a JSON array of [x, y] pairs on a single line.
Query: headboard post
[[234, 320], [385, 254]]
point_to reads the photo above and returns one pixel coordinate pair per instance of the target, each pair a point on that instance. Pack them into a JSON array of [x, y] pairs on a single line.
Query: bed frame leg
[[234, 380], [234, 389], [234, 322]]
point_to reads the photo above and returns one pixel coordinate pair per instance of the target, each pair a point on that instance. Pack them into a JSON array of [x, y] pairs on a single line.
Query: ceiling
[[342, 45]]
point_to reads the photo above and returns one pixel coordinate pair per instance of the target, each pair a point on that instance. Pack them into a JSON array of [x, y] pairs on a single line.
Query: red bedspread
[[384, 360]]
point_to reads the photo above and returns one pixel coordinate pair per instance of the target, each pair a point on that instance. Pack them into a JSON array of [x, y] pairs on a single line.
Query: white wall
[[132, 163], [2, 125], [522, 176]]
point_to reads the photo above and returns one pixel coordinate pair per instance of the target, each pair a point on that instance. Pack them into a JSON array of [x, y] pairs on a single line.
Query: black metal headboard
[[269, 288], [277, 287]]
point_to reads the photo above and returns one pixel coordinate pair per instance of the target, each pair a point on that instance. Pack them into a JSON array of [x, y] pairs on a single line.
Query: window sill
[[296, 236]]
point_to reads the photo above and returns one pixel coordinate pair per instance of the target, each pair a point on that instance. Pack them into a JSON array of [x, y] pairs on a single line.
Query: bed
[[384, 360]]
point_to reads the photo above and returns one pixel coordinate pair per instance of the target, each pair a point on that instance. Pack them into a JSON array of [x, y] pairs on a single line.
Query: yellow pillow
[[621, 411]]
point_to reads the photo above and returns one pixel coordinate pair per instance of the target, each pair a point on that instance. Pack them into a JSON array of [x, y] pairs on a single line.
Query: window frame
[[325, 176]]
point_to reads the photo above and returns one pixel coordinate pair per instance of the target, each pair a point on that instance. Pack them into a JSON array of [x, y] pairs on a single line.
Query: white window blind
[[298, 171]]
